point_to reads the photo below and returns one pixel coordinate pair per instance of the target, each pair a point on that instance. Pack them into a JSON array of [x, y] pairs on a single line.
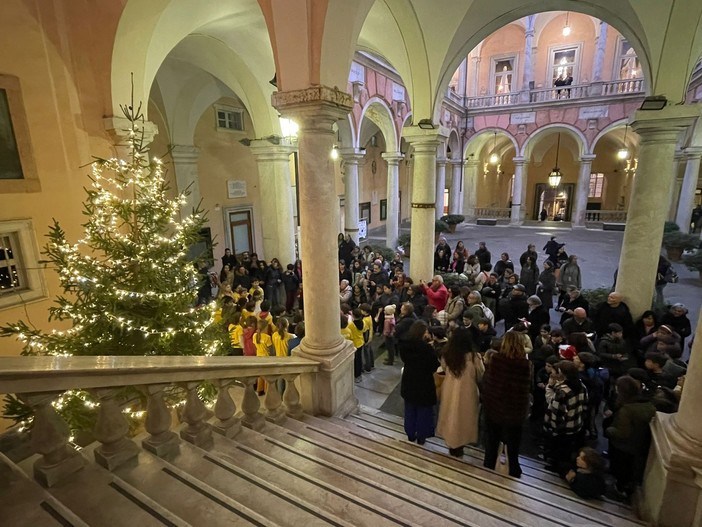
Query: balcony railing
[[564, 93], [493, 212], [42, 382], [606, 216]]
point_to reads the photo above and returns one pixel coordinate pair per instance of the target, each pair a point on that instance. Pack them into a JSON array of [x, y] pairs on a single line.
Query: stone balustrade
[[493, 212], [40, 381], [606, 216]]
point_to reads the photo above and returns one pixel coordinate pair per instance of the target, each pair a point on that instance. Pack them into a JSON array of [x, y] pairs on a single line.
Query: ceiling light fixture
[[623, 153], [494, 158], [566, 28], [426, 124], [554, 178]]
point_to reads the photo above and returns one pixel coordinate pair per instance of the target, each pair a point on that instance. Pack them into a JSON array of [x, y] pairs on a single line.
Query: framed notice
[[236, 188]]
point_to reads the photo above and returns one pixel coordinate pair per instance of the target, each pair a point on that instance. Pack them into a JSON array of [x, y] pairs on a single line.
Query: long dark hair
[[459, 345], [417, 330]]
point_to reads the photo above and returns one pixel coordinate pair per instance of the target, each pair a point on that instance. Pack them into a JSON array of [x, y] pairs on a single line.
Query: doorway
[[241, 230], [557, 201]]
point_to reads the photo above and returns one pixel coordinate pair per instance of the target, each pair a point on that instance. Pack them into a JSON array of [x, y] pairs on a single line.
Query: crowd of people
[[484, 349]]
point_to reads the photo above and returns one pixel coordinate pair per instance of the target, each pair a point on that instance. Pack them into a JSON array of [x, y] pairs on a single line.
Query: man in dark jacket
[[407, 318], [417, 299], [613, 311], [514, 307], [538, 316], [578, 323], [483, 254], [529, 253], [572, 300]]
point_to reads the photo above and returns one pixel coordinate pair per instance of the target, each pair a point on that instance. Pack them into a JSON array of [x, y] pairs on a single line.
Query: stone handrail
[[486, 101], [574, 91], [614, 216], [493, 212], [40, 382], [622, 87]]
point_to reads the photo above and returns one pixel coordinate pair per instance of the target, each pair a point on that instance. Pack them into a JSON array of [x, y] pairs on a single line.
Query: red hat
[[567, 352]]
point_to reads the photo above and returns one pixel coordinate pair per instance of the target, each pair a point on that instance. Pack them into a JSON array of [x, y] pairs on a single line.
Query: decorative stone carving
[[196, 429], [273, 403], [50, 435], [291, 398], [227, 423], [111, 430], [161, 441], [250, 404]]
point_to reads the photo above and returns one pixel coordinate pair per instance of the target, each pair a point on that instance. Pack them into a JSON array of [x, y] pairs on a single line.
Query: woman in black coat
[[417, 387], [505, 394]]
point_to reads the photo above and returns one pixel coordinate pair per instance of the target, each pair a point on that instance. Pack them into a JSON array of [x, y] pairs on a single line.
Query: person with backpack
[[480, 310]]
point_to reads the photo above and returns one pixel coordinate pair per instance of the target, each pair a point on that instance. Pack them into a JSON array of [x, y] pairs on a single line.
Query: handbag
[[502, 466], [439, 377]]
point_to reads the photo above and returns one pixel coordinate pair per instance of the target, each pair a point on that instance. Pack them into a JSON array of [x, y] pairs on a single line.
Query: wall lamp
[[426, 124], [654, 102]]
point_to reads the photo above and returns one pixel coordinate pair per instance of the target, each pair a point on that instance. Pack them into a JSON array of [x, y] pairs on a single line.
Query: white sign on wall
[[236, 188], [398, 92], [593, 112], [358, 73], [362, 229], [522, 118]]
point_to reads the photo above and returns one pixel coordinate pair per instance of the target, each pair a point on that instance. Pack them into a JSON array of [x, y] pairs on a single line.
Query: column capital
[[393, 158], [693, 152], [472, 162], [119, 129], [352, 155], [185, 153], [519, 160], [425, 140], [456, 162], [314, 108], [587, 158], [664, 126], [441, 161], [263, 150]]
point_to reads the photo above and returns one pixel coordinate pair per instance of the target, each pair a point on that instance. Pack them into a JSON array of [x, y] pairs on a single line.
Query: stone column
[[470, 188], [674, 190], [461, 88], [392, 221], [351, 158], [315, 110], [599, 53], [672, 489], [528, 74], [689, 186], [278, 227], [425, 143], [456, 195], [476, 77], [185, 159], [440, 186], [518, 191], [582, 191], [658, 132]]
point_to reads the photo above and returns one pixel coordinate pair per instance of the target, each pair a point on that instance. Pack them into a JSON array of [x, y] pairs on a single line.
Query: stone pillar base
[[120, 454], [168, 444], [329, 391], [672, 490], [50, 475]]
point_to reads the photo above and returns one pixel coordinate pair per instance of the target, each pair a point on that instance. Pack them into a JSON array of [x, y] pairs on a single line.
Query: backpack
[[488, 314]]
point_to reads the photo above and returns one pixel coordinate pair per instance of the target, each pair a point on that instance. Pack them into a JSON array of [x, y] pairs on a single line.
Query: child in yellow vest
[[262, 340], [265, 314], [356, 330], [236, 335], [368, 357], [281, 338]]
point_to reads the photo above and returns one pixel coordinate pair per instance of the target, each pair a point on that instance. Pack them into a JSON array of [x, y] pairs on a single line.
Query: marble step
[[398, 500], [288, 498], [187, 497], [470, 479], [99, 498], [24, 503], [534, 474], [532, 468]]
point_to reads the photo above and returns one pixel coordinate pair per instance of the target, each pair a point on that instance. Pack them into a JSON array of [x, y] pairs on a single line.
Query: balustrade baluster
[[196, 430], [161, 441], [273, 402], [227, 423], [291, 398], [50, 435], [111, 429], [251, 417]]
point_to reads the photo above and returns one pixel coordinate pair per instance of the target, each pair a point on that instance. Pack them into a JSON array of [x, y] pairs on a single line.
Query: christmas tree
[[129, 287]]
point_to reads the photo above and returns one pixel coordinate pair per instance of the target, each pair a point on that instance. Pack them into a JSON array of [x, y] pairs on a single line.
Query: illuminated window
[[563, 64], [20, 277], [504, 75], [627, 63], [596, 186]]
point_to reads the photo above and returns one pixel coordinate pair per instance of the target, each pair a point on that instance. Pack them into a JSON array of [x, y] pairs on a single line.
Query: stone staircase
[[358, 471]]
